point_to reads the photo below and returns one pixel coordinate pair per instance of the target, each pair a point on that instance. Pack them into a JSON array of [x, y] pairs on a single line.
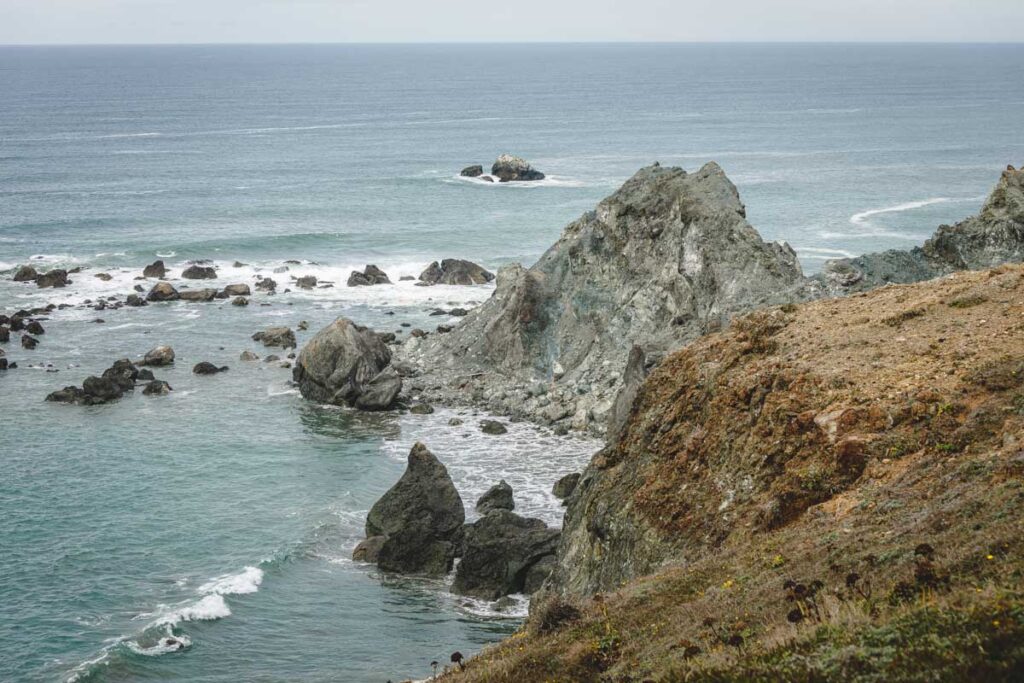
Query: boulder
[[123, 373], [239, 301], [538, 574], [306, 282], [267, 284], [455, 272], [493, 427], [157, 387], [145, 376], [498, 552], [197, 272], [197, 294], [5, 334], [472, 171], [248, 356], [25, 274], [508, 168], [498, 497], [54, 278], [421, 409], [564, 487], [237, 290], [28, 342], [158, 356], [282, 337], [162, 291], [207, 368], [368, 549], [105, 277], [156, 269], [371, 275], [135, 300], [35, 327], [342, 362], [421, 517]]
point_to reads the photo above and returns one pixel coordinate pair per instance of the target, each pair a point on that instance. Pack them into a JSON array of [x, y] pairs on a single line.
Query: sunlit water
[[226, 513]]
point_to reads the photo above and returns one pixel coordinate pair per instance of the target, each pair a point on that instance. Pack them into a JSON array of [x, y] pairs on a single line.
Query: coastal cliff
[[829, 491]]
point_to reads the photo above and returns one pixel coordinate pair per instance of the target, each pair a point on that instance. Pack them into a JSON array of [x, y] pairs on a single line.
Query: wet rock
[[421, 516], [66, 395], [455, 272], [371, 275], [417, 332], [26, 274], [267, 284], [207, 368], [474, 171], [282, 337], [368, 550], [406, 278], [306, 282], [105, 277], [135, 300], [158, 356], [156, 269], [239, 301], [422, 409], [344, 361], [28, 342], [197, 294], [455, 422], [248, 356], [157, 387], [162, 291], [4, 364], [197, 272], [498, 497], [35, 327], [493, 427], [508, 168], [564, 487], [499, 549], [237, 290], [458, 312], [54, 278], [145, 376], [5, 334]]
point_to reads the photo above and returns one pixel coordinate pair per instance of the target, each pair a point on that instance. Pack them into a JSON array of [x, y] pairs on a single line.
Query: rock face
[[157, 270], [346, 364], [498, 497], [498, 552], [564, 487], [993, 237], [282, 337], [509, 168], [162, 291], [197, 272], [371, 275], [455, 272], [472, 171], [666, 258], [420, 518]]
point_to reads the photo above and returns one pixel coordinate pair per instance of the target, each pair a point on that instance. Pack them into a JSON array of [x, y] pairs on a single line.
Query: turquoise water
[[227, 511]]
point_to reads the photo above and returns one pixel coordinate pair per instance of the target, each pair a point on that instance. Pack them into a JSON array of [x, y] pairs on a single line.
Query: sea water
[[225, 513]]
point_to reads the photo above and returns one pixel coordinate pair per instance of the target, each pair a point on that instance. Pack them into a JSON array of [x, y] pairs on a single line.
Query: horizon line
[[516, 42]]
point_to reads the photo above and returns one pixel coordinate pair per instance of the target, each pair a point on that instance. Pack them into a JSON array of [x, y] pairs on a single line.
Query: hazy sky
[[216, 21]]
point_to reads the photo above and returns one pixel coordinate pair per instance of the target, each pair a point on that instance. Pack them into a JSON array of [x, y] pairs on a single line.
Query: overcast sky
[[263, 21]]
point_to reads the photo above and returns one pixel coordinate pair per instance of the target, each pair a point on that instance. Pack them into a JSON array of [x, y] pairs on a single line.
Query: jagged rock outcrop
[[115, 381], [416, 526], [498, 497], [346, 364], [993, 237], [371, 275], [282, 337], [156, 269], [162, 291], [452, 271], [474, 171], [498, 551], [197, 272], [25, 274], [666, 258], [58, 277], [509, 168]]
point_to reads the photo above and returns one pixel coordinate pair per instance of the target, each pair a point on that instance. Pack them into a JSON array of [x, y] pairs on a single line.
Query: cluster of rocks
[[165, 291], [371, 275], [418, 527], [28, 323], [454, 272], [507, 168], [117, 380], [58, 277]]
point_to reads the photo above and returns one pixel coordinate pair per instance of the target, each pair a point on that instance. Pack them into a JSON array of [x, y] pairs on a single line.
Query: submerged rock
[[498, 551], [282, 337], [509, 168], [28, 342], [455, 272], [421, 518], [306, 282], [207, 368], [197, 272], [157, 387], [267, 284], [112, 385], [493, 427], [346, 364], [248, 356]]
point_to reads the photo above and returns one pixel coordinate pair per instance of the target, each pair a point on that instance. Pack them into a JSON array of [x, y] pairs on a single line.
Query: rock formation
[[346, 364], [162, 291], [371, 275], [197, 272], [25, 274], [498, 497], [508, 168], [455, 272], [112, 385], [282, 337], [472, 171], [416, 526], [57, 277], [157, 270]]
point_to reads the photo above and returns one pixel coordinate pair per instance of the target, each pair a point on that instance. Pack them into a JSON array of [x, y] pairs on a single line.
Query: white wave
[[512, 607], [208, 608], [862, 217], [167, 643], [170, 254], [244, 582], [548, 181], [820, 252]]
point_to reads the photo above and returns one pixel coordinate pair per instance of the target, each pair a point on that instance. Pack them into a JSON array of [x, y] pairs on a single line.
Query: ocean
[[226, 512]]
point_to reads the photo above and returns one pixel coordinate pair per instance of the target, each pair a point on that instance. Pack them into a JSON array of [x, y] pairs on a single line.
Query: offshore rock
[[474, 171], [237, 290], [198, 294], [162, 291], [282, 337], [157, 270], [54, 278], [371, 275], [498, 497], [509, 168], [25, 274], [344, 361], [197, 272], [159, 356], [421, 517], [452, 271]]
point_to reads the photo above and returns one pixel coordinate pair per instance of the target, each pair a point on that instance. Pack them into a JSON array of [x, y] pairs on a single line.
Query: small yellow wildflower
[[990, 557], [727, 584]]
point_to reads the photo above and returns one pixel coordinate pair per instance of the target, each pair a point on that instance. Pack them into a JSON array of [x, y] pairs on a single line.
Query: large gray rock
[[993, 237], [206, 294], [25, 274], [197, 272], [663, 260], [371, 275], [344, 361], [58, 277], [157, 269], [159, 356], [421, 518], [509, 168], [498, 497], [472, 171], [452, 271], [282, 337], [498, 551], [162, 291]]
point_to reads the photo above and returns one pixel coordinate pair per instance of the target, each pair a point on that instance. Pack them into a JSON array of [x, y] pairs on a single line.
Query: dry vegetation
[[839, 489]]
